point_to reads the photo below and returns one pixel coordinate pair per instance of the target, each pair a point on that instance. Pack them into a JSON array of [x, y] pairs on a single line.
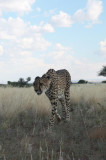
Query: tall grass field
[[24, 118]]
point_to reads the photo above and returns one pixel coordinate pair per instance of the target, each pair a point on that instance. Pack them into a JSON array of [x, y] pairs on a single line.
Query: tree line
[[20, 83], [25, 83]]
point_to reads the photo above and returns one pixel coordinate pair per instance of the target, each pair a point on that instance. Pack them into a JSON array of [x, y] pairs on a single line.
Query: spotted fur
[[56, 85]]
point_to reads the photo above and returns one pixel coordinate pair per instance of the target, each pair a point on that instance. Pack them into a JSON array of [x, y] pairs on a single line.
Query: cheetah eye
[[41, 84]]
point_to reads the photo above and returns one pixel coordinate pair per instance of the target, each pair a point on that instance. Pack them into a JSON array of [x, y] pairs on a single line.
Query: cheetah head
[[42, 84]]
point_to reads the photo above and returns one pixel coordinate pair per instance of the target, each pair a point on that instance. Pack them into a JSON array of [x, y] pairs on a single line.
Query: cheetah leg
[[58, 117], [67, 98], [54, 110], [62, 100]]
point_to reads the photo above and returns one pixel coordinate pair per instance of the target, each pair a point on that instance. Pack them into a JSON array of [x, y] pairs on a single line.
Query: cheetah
[[56, 86]]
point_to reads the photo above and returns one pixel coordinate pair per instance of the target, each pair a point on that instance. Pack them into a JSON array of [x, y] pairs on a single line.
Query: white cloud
[[79, 16], [94, 9], [35, 43], [26, 42], [25, 53], [48, 28], [62, 20], [1, 50], [12, 28], [50, 12], [19, 6], [90, 13], [103, 47], [42, 28], [24, 35], [59, 47], [59, 51]]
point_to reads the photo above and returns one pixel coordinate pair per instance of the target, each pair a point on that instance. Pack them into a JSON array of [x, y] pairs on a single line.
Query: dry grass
[[24, 118], [90, 94], [15, 100]]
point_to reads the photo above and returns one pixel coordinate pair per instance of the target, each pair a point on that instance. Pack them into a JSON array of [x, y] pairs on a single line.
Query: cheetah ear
[[37, 78]]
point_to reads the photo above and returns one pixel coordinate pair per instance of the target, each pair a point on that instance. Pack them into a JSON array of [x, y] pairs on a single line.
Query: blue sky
[[36, 35]]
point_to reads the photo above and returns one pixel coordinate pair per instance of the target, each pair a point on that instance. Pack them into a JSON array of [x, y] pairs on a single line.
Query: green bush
[[82, 81], [103, 81]]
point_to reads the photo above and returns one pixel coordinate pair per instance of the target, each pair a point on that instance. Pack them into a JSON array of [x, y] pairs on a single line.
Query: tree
[[102, 72], [21, 82], [82, 81], [28, 79]]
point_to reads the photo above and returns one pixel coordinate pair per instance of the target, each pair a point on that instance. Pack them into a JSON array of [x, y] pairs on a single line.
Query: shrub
[[82, 81], [103, 81]]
